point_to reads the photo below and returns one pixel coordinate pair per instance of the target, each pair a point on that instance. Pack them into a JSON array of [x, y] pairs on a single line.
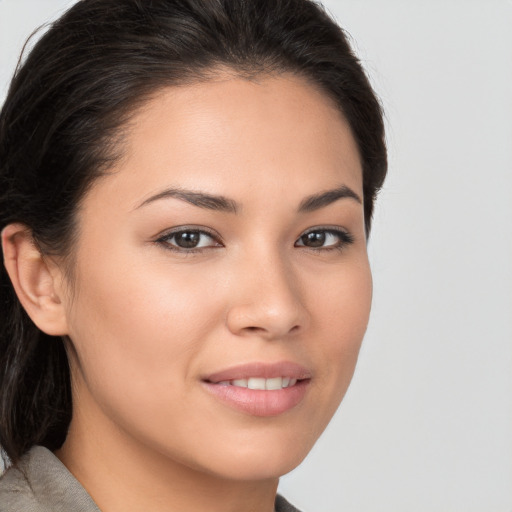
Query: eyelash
[[165, 240], [343, 236]]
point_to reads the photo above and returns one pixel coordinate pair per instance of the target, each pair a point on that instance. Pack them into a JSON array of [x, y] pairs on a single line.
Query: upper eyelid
[[327, 229], [336, 229], [180, 229]]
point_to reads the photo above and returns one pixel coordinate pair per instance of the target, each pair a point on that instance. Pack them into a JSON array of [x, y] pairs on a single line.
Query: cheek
[[343, 310], [137, 326]]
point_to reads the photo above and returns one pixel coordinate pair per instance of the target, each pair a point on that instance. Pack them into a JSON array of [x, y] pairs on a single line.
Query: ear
[[36, 280]]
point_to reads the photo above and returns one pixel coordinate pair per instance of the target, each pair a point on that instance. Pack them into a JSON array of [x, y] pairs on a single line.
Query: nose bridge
[[268, 299]]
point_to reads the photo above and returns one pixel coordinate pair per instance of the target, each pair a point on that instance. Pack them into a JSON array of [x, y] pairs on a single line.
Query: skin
[[147, 322]]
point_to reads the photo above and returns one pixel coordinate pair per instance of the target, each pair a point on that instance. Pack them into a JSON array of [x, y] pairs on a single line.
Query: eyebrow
[[223, 204], [317, 201], [200, 199]]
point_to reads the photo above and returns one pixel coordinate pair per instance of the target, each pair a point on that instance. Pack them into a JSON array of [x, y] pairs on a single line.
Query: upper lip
[[260, 369]]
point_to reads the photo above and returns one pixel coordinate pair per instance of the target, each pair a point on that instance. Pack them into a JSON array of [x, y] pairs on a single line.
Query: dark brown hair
[[64, 114]]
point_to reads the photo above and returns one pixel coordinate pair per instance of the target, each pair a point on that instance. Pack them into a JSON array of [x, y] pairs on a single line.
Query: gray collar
[[41, 483]]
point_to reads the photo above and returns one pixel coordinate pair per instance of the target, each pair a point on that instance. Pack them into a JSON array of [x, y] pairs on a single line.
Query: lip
[[259, 402], [259, 369]]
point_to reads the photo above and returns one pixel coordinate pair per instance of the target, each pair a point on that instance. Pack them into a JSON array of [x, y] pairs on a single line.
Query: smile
[[261, 383], [260, 389]]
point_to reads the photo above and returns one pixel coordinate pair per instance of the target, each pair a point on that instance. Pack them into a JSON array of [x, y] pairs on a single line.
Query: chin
[[262, 457], [262, 466]]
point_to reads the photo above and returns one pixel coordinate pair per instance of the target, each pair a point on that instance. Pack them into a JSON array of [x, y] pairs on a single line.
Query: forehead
[[230, 135]]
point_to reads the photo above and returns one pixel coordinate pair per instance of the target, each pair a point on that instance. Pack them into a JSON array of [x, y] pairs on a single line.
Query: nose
[[267, 301]]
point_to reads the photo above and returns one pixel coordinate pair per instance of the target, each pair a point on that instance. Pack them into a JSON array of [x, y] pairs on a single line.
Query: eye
[[189, 239], [325, 238]]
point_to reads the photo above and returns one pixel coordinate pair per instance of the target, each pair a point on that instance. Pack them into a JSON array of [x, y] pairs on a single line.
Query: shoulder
[[282, 505], [41, 483], [16, 493]]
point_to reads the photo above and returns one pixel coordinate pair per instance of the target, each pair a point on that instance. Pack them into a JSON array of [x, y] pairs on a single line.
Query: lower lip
[[258, 402]]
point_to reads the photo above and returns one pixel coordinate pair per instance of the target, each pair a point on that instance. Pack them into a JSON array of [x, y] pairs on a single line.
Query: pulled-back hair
[[63, 119]]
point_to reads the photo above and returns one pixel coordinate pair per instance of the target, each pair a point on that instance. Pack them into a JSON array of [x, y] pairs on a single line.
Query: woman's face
[[225, 251]]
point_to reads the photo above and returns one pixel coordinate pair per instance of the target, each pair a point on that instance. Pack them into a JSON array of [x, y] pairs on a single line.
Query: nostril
[[260, 319], [253, 329]]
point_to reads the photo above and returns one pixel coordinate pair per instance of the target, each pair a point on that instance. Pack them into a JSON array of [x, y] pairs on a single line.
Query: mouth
[[260, 389], [261, 383]]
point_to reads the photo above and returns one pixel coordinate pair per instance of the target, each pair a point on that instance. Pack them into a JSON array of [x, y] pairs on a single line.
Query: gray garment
[[41, 483]]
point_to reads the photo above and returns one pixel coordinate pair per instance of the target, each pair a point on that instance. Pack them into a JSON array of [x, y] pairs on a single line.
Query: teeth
[[261, 383], [256, 383], [276, 383]]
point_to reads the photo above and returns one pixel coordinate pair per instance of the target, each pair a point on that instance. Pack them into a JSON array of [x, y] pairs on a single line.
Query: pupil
[[314, 239], [187, 239]]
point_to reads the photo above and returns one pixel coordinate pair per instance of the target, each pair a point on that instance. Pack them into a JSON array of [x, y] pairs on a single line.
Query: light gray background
[[427, 422]]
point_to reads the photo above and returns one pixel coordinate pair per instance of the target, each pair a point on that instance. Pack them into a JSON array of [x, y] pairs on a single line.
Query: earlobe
[[36, 282]]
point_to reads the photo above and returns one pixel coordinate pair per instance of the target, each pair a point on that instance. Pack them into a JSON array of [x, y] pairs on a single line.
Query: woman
[[186, 194]]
